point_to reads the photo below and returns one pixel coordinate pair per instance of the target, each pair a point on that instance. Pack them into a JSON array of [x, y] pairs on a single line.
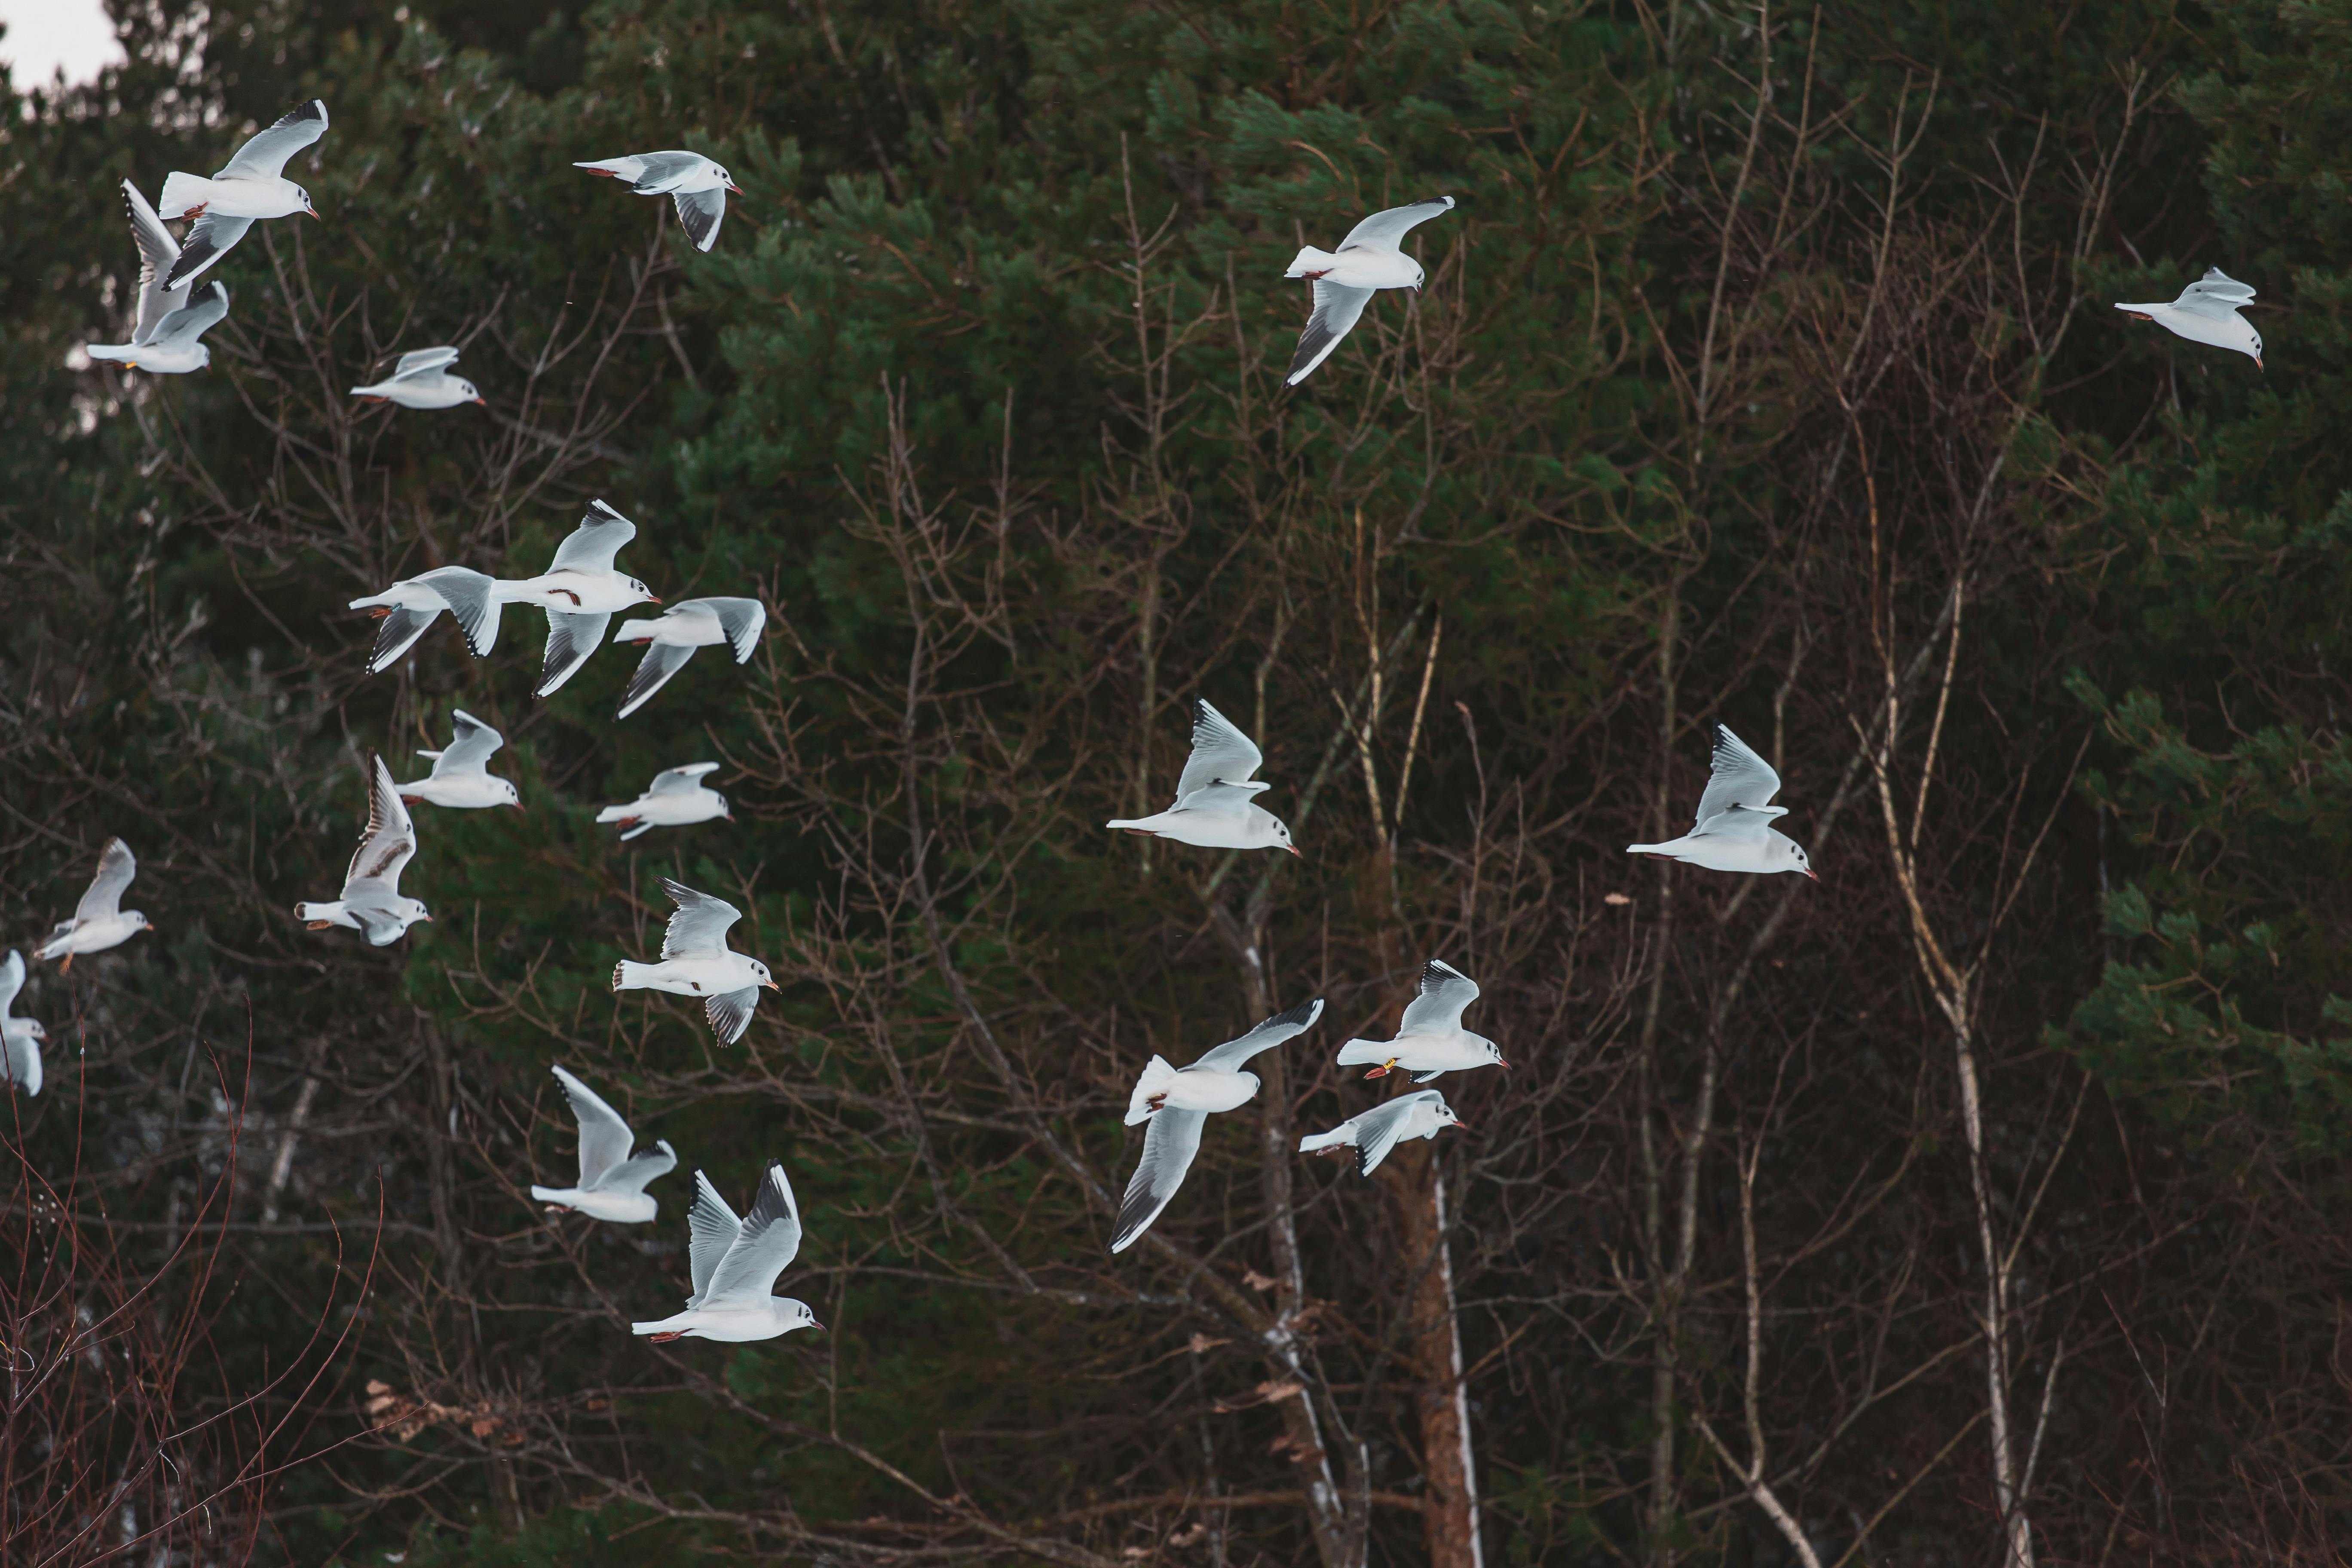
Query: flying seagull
[[697, 962], [411, 605], [372, 900], [580, 590], [165, 332], [698, 186], [1176, 1102], [1212, 808], [461, 776], [672, 800], [1430, 1038], [735, 1263], [2207, 312], [612, 1184], [99, 920], [672, 637], [1372, 1135], [422, 380], [1731, 832], [20, 1038], [253, 186], [1345, 280]]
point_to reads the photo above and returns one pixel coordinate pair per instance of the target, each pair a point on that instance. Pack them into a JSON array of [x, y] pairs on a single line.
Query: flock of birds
[[734, 1261]]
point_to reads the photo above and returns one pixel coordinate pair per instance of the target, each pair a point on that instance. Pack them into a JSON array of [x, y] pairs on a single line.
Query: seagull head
[[645, 594], [307, 209], [1495, 1054], [1281, 832], [794, 1314], [28, 1027], [471, 396], [760, 972], [1446, 1117], [513, 796], [135, 920], [1796, 859], [726, 180]]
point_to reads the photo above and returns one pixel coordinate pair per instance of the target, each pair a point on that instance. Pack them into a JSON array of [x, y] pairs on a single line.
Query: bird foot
[[1336, 1151], [411, 799], [321, 925], [1384, 1070], [1314, 277], [193, 213], [1157, 1102], [67, 967], [1144, 833], [2139, 315], [626, 821], [569, 594], [380, 612], [559, 1208], [665, 1339]]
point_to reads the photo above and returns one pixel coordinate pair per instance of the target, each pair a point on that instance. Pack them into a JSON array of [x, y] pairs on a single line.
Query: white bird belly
[[1373, 269], [252, 198], [468, 791], [614, 1208], [688, 977], [1210, 1090], [577, 593]]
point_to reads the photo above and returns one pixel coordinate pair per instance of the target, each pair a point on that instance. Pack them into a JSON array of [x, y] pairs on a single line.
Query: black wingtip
[[1303, 1015]]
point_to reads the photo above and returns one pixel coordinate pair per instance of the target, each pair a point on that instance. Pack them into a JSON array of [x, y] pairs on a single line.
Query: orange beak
[[480, 399], [1808, 871], [739, 191], [1293, 850], [1463, 1125], [772, 986]]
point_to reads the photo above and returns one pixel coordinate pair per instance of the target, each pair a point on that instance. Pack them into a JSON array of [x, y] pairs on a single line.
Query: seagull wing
[[470, 747], [1169, 1141], [157, 251], [1386, 230], [678, 781], [1220, 753], [742, 620], [699, 929], [386, 843], [1378, 1130], [397, 633], [711, 1228], [571, 639], [631, 1175], [593, 544], [662, 661], [1230, 1056], [12, 980], [1445, 990], [265, 156], [211, 237], [2215, 294], [116, 866], [729, 1013], [204, 311], [605, 1139], [419, 361], [22, 1054], [658, 172], [770, 1240], [1338, 308], [701, 213], [1739, 778]]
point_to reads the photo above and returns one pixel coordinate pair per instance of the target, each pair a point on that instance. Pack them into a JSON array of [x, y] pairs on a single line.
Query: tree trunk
[[1433, 1345]]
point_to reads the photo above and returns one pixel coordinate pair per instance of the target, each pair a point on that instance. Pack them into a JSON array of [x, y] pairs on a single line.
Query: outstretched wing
[[1444, 992], [677, 781], [701, 213], [157, 251], [1738, 778], [421, 362], [265, 156], [470, 747], [212, 236], [2215, 294], [386, 843], [1265, 1037], [605, 1139], [1220, 753], [1376, 1130], [711, 1228], [1338, 308], [593, 544], [741, 620], [571, 639], [1386, 230], [397, 633], [116, 866], [662, 661], [12, 980], [204, 310], [729, 1013], [770, 1240], [1169, 1141], [631, 1175], [699, 929]]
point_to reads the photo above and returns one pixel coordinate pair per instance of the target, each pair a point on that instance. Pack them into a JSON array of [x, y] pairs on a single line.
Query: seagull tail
[[1157, 1076], [469, 597], [1354, 1053], [1312, 260], [629, 976], [182, 192], [550, 1195], [1314, 1141]]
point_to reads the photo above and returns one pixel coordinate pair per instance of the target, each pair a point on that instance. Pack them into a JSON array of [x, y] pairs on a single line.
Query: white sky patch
[[46, 36]]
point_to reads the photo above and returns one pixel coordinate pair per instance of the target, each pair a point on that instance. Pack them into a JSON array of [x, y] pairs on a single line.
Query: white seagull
[[253, 186], [1369, 260], [1383, 1127], [1731, 832], [422, 380], [672, 637], [612, 1184], [1176, 1102], [1430, 1038], [2207, 312], [99, 920], [411, 605], [697, 962], [461, 776], [698, 186], [1212, 808], [372, 900], [20, 1038], [735, 1263], [165, 332], [580, 590], [672, 800]]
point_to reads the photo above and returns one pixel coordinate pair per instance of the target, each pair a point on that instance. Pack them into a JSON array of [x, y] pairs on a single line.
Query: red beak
[[1459, 1122], [739, 191], [1293, 850], [480, 399], [1808, 870]]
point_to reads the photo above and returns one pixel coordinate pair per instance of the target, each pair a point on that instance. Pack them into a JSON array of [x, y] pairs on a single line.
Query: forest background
[[1986, 1201]]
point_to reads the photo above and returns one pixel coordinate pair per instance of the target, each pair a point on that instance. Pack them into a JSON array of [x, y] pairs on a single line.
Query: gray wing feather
[[662, 661], [1376, 1130], [632, 1175], [729, 1013], [571, 639], [116, 866], [213, 237], [701, 213], [12, 981], [711, 1228], [395, 635], [1265, 1037], [1220, 753], [742, 620], [1170, 1140], [386, 843], [472, 744], [267, 153], [1739, 777], [593, 544], [2216, 294], [1338, 308], [605, 1139], [1386, 230], [1445, 990], [699, 929], [204, 311], [770, 1240], [677, 781], [417, 362], [22, 1056], [157, 251]]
